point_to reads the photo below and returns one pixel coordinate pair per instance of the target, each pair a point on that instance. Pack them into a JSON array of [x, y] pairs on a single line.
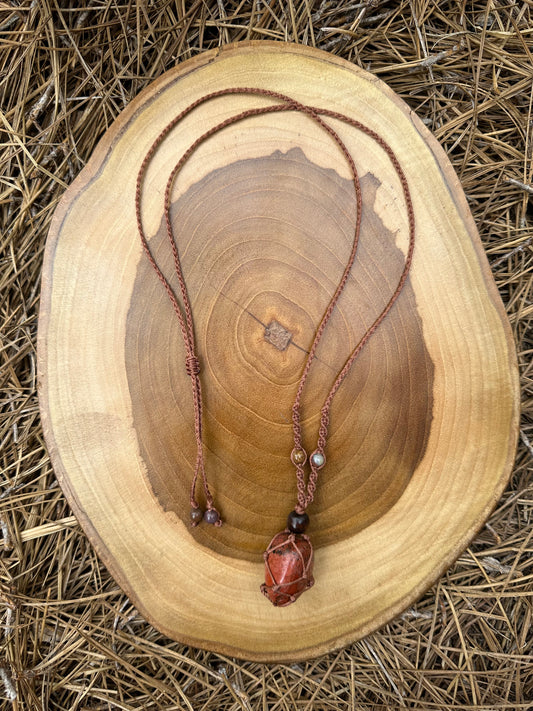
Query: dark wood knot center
[[277, 335]]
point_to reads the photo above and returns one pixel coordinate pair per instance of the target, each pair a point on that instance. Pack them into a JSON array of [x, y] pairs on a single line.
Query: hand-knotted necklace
[[289, 557]]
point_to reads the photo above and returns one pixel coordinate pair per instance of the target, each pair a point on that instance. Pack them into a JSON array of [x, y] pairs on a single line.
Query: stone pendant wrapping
[[288, 567]]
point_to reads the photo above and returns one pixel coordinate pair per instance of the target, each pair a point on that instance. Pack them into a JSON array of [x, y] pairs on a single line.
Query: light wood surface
[[422, 432]]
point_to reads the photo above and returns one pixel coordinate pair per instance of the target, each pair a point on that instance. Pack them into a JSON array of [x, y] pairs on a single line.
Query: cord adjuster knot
[[192, 365]]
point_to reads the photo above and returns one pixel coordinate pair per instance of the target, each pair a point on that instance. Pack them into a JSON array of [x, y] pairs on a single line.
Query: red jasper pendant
[[288, 567]]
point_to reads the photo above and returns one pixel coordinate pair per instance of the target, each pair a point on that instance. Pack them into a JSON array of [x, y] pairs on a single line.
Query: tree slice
[[423, 429]]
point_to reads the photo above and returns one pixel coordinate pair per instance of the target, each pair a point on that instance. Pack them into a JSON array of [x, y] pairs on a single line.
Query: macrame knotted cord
[[305, 490]]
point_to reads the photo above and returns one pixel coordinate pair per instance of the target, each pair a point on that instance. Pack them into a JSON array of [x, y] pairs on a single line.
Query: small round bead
[[196, 516], [318, 459], [211, 516], [297, 523], [298, 456]]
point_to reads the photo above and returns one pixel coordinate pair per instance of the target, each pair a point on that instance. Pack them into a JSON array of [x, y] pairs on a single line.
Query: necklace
[[289, 556]]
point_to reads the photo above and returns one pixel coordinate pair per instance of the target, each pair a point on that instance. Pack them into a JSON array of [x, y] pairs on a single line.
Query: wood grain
[[423, 430]]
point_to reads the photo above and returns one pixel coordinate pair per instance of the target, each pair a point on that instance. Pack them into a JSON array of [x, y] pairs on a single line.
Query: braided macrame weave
[[305, 487]]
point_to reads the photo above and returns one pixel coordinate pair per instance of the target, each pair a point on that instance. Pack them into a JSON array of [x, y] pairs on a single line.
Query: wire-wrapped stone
[[288, 567]]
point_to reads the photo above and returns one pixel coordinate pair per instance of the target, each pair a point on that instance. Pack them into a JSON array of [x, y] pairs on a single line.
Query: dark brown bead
[[196, 516], [211, 516], [297, 523]]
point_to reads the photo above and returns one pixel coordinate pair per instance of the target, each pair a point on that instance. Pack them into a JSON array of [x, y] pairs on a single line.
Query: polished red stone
[[288, 568]]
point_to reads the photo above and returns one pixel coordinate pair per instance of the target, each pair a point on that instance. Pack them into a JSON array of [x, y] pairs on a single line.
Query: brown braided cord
[[185, 317]]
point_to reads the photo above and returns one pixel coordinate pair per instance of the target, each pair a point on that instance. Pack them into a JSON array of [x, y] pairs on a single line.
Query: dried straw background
[[70, 639]]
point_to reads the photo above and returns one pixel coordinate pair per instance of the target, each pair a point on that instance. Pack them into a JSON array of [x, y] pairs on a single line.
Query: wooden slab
[[423, 430]]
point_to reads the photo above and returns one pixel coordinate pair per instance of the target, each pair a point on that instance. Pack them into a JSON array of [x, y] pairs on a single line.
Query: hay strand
[[70, 637]]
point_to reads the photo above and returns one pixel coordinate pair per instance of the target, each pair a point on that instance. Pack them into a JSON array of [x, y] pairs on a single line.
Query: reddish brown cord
[[305, 490]]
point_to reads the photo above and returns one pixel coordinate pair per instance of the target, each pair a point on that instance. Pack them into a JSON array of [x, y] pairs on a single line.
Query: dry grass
[[70, 638]]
